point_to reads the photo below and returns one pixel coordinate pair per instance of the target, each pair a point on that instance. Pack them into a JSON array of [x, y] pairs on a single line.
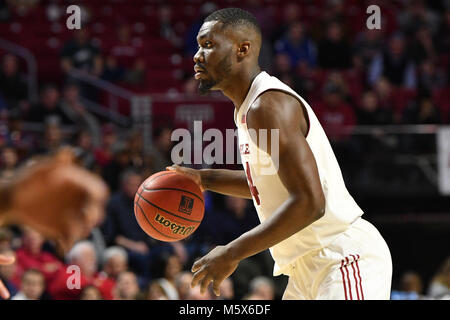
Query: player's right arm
[[223, 181]]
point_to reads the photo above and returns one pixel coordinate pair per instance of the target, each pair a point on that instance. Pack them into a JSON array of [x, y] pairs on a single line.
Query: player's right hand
[[58, 198], [192, 174]]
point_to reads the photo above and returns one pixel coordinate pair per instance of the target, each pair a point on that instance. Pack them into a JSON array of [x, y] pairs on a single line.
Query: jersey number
[[253, 189]]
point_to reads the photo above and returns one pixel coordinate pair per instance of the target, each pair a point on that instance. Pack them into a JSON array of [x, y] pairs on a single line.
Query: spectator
[[127, 287], [6, 238], [81, 53], [84, 151], [160, 153], [422, 46], [430, 76], [109, 141], [410, 287], [368, 44], [53, 139], [336, 116], [442, 37], [195, 294], [83, 256], [115, 261], [49, 107], [156, 292], [395, 64], [370, 112], [90, 292], [291, 13], [263, 288], [415, 16], [114, 168], [226, 289], [76, 111], [32, 286], [12, 86], [121, 228], [297, 45], [334, 42], [166, 269], [183, 284], [166, 25], [423, 111], [32, 256], [8, 272], [439, 287], [9, 162]]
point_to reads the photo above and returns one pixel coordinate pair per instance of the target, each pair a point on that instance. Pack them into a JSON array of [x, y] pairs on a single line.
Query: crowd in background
[[396, 75]]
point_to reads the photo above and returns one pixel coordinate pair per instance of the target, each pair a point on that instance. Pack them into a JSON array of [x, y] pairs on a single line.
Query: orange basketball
[[168, 206]]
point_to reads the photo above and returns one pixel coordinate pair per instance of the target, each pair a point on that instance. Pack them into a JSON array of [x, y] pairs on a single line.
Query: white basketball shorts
[[356, 266]]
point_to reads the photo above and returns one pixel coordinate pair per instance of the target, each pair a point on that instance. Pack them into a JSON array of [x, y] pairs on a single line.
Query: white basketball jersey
[[268, 191]]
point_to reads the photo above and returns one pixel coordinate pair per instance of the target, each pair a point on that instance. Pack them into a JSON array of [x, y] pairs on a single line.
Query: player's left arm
[[299, 174]]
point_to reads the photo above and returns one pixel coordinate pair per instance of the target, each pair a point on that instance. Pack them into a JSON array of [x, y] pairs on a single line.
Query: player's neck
[[237, 90]]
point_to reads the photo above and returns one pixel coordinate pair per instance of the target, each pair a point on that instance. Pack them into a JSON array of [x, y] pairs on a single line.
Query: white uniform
[[339, 256]]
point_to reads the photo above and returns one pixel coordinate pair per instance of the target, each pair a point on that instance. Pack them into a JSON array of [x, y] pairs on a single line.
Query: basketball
[[169, 206]]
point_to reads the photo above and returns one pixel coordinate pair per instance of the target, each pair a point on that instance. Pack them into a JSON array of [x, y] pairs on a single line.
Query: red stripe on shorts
[[359, 275], [348, 279], [354, 275], [343, 279]]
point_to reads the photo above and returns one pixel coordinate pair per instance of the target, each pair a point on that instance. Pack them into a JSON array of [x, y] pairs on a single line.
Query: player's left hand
[[214, 267]]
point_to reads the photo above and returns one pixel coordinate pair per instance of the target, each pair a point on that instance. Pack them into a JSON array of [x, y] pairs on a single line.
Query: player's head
[[229, 41]]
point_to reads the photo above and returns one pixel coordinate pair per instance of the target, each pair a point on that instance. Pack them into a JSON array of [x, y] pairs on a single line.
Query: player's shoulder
[[274, 105]]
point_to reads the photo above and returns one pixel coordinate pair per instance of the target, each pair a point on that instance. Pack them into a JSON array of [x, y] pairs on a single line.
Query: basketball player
[[56, 197], [309, 221]]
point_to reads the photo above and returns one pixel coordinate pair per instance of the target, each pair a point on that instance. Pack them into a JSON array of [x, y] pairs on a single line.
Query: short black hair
[[234, 17]]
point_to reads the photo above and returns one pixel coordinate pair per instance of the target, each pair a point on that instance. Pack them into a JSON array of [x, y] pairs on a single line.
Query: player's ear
[[244, 49]]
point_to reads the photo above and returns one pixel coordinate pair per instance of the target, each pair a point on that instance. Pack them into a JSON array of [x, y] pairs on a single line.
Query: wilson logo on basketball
[[175, 228], [186, 205]]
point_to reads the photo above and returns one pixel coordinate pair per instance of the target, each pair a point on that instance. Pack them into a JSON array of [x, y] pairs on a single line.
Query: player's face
[[213, 59]]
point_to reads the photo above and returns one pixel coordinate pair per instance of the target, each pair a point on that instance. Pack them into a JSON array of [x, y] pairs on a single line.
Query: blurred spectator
[[90, 292], [127, 287], [84, 151], [336, 116], [6, 238], [422, 46], [395, 64], [13, 88], [370, 112], [166, 25], [155, 291], [166, 269], [415, 16], [226, 290], [183, 284], [78, 114], [48, 107], [9, 162], [263, 288], [120, 226], [334, 42], [32, 256], [114, 168], [190, 37], [80, 52], [160, 153], [430, 77], [109, 141], [368, 44], [8, 272], [384, 91], [195, 294], [297, 45], [5, 13], [439, 287], [442, 38], [291, 13], [82, 255], [115, 261], [32, 286], [53, 139], [422, 111], [262, 13]]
